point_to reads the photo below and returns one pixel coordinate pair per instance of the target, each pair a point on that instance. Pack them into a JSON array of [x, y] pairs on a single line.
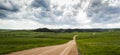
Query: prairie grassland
[[102, 43], [19, 40]]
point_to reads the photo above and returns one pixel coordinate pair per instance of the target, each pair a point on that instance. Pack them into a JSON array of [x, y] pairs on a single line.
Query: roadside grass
[[103, 43], [11, 41]]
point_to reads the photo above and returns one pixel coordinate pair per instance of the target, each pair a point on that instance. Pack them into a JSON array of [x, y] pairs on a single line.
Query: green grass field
[[102, 43]]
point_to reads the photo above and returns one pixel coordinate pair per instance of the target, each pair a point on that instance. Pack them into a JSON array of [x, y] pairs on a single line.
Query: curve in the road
[[69, 48]]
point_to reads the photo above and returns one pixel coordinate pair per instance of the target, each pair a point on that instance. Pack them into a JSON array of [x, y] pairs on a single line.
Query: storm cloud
[[45, 4], [103, 13], [59, 13], [7, 7]]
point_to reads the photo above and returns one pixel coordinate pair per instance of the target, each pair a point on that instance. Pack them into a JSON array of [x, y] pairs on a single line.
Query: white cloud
[[112, 2], [64, 2], [82, 18], [59, 14], [113, 25], [18, 24]]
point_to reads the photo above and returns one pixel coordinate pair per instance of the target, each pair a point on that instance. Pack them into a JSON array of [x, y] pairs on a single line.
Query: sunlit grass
[[102, 43]]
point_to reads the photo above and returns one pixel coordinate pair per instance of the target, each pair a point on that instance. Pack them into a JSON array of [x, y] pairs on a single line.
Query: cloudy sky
[[32, 14]]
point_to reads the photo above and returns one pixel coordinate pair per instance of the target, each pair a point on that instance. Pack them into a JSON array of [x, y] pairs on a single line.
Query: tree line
[[72, 30]]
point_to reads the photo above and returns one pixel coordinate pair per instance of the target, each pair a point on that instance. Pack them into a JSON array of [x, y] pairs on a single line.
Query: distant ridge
[[75, 30], [66, 30]]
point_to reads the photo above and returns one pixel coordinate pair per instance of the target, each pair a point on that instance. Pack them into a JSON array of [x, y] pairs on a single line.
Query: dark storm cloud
[[2, 15], [102, 12], [51, 17], [58, 12], [13, 8], [41, 3], [7, 7]]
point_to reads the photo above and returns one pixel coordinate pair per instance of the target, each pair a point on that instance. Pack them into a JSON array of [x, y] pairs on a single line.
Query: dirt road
[[63, 49]]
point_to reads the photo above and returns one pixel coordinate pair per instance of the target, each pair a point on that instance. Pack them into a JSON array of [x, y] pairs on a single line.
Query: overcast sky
[[32, 14]]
